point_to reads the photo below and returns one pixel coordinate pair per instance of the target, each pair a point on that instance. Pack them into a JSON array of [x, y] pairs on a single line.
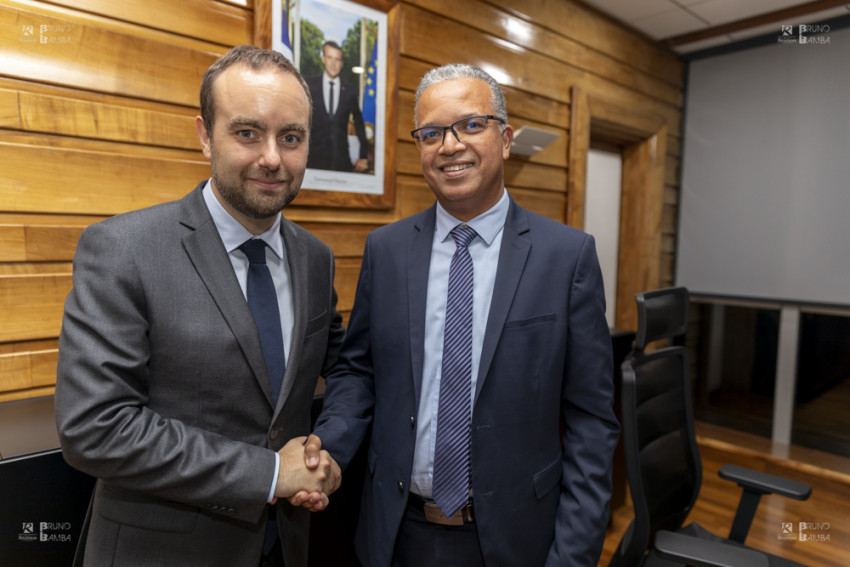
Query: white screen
[[765, 196]]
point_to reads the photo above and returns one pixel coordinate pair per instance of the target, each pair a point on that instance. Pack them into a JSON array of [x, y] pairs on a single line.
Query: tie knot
[[255, 249], [463, 235]]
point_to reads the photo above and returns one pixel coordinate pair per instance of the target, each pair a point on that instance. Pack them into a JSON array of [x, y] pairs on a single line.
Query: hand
[[361, 165], [307, 475]]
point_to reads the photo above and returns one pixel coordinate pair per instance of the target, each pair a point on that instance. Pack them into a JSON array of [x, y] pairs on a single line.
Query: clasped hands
[[307, 474]]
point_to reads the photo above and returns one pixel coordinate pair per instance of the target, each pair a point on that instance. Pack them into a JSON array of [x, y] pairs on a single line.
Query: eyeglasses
[[464, 130]]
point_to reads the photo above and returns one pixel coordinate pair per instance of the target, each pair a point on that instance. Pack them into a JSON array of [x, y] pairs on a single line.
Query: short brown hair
[[256, 58]]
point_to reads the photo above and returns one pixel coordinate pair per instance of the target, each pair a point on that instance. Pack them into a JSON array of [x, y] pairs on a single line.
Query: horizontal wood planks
[[98, 101]]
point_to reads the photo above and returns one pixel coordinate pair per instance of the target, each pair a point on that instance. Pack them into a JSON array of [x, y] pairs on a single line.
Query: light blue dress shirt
[[233, 234], [484, 250]]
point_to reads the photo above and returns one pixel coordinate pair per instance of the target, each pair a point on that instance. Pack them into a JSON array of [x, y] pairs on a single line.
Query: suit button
[[273, 434], [400, 486], [412, 421]]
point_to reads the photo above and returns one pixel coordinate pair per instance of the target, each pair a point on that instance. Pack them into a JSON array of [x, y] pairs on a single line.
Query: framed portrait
[[347, 52]]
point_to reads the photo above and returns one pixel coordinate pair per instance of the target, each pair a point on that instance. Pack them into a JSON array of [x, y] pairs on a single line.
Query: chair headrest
[[662, 314]]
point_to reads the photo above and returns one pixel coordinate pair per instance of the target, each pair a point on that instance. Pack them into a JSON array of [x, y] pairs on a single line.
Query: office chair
[[662, 457]]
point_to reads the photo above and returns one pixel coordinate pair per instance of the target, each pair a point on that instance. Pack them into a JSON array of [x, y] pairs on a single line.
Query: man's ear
[[203, 136], [507, 140]]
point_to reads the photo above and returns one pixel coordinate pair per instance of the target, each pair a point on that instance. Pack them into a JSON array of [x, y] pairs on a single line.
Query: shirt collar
[[234, 234], [487, 224]]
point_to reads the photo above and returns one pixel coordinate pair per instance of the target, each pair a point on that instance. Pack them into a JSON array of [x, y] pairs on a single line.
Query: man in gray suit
[[164, 389], [514, 334]]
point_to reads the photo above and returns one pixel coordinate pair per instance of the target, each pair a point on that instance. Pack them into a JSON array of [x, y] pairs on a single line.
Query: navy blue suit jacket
[[540, 496]]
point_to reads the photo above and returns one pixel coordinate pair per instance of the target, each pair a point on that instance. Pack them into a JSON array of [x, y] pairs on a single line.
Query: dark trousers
[[423, 544]]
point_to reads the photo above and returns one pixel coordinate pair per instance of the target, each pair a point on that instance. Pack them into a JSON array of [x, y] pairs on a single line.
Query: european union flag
[[370, 92], [285, 32]]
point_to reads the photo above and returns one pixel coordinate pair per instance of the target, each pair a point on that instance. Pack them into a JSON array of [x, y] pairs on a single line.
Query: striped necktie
[[454, 410]]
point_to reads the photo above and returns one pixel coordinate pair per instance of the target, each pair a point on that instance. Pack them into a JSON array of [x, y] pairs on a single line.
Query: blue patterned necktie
[[262, 299], [454, 410]]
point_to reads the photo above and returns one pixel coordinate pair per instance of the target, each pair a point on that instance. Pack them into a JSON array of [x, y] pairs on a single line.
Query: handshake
[[307, 474]]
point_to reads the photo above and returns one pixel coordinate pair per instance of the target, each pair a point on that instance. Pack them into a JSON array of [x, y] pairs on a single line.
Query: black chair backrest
[[662, 458], [662, 314]]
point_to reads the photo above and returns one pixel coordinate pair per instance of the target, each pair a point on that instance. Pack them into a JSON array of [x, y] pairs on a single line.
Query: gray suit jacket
[[162, 392], [543, 427]]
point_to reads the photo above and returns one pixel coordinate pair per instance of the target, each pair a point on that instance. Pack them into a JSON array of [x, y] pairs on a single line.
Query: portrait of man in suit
[[477, 364], [335, 107], [192, 342]]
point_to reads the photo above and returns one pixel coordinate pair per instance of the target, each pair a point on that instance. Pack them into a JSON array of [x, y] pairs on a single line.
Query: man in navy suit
[[335, 104], [539, 435]]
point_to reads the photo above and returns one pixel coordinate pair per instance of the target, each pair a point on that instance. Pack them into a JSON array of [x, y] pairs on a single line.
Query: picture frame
[[370, 30]]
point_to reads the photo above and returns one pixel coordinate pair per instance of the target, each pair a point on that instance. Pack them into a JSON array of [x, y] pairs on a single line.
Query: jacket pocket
[[536, 320], [316, 324], [547, 478]]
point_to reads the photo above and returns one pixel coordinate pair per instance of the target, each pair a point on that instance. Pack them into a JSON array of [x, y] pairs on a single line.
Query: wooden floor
[[828, 509]]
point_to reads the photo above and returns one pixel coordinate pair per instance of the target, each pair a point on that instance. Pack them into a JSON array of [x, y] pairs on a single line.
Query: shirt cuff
[[274, 479]]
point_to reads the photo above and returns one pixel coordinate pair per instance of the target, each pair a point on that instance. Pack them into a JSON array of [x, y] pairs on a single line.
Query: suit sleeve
[[106, 427], [591, 429]]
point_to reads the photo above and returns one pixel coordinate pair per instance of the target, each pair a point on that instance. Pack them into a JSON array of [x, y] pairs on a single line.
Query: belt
[[434, 515]]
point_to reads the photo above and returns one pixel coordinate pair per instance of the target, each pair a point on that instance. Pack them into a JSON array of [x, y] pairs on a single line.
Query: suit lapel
[[512, 257], [296, 255], [418, 265], [206, 252]]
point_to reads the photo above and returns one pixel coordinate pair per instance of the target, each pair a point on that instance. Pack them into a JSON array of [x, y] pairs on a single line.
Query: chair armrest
[[697, 552], [765, 483]]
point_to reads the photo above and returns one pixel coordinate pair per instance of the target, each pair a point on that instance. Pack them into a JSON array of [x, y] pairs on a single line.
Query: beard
[[253, 203]]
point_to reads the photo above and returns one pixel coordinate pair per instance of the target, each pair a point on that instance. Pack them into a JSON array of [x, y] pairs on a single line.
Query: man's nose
[[270, 156]]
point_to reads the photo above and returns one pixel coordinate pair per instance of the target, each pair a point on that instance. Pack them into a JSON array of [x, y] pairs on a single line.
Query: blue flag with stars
[[370, 92]]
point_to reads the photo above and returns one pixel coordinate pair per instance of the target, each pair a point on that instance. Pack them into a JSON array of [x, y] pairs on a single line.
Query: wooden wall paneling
[[578, 150], [14, 248], [89, 56], [522, 173], [112, 117], [414, 195], [536, 108], [33, 243], [65, 114], [27, 373], [108, 181], [598, 32], [640, 224], [347, 240], [209, 20], [31, 305], [644, 139], [439, 40], [550, 205], [537, 36], [345, 282]]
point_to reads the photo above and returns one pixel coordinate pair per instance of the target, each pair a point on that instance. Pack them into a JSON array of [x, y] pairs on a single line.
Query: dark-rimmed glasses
[[464, 130]]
